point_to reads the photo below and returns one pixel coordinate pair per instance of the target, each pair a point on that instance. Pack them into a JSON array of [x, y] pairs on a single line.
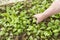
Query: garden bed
[[17, 22]]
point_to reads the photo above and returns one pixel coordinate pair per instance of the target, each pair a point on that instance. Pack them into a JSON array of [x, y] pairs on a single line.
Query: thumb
[[38, 17]]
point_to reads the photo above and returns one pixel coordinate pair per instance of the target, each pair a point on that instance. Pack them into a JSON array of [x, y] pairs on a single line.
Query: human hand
[[39, 17]]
